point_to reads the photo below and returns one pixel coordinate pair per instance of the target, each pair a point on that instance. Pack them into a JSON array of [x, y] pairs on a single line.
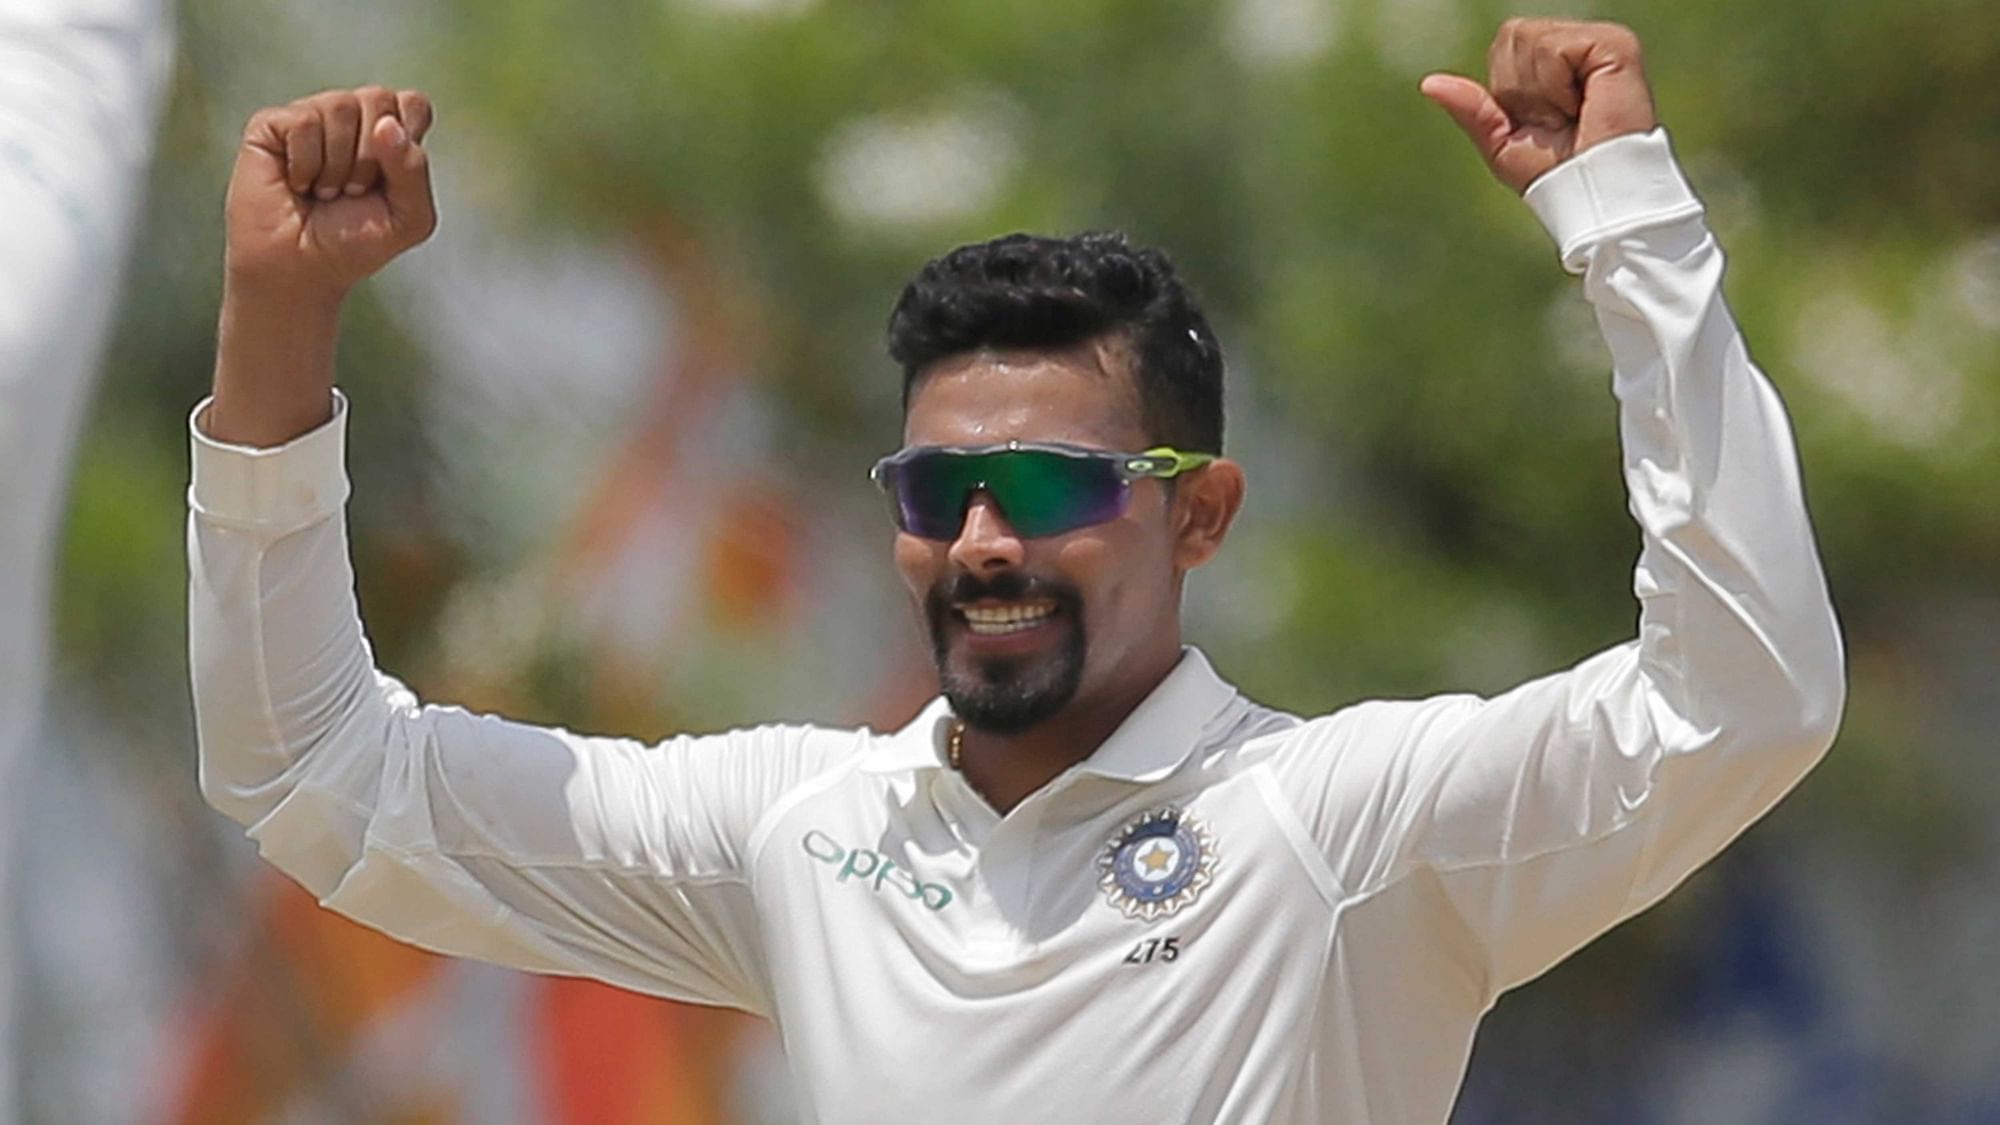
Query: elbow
[[246, 768], [239, 747], [1795, 736], [214, 790], [1782, 709], [1822, 705], [1820, 682], [252, 755], [1806, 714], [241, 760], [230, 758], [244, 796]]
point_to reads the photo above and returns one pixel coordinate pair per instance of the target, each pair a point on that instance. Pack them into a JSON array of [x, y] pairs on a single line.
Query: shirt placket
[[1005, 848]]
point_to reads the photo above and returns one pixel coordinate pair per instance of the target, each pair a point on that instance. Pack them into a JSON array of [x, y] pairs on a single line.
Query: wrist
[[274, 362], [1624, 184], [253, 290]]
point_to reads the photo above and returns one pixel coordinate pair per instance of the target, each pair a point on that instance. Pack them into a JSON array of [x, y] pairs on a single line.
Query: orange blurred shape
[[301, 1018], [610, 1057], [747, 568], [284, 1019]]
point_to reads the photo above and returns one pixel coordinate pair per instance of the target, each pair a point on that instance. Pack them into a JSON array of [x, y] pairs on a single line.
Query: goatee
[[1007, 695]]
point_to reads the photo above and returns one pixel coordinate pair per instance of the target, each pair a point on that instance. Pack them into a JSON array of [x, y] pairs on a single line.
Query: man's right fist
[[328, 189]]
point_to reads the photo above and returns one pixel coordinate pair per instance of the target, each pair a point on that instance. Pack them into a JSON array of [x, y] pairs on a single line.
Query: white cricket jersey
[[1224, 913]]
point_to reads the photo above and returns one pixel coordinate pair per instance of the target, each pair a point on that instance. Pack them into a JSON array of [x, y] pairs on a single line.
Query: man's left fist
[[1558, 87]]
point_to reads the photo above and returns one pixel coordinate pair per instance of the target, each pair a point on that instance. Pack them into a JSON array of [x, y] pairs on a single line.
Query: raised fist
[[1558, 87], [328, 189]]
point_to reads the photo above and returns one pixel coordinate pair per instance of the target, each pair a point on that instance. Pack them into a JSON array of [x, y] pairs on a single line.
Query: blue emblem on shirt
[[1157, 863]]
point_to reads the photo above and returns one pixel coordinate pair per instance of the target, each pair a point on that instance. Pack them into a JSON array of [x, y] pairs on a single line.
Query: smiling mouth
[[1000, 620]]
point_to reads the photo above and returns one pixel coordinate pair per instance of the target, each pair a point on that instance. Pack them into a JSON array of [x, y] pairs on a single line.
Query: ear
[[1205, 504]]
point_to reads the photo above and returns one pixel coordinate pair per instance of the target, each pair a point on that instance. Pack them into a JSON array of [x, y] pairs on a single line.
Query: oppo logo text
[[872, 869]]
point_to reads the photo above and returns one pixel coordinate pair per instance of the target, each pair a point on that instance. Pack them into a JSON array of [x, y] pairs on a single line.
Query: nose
[[986, 541]]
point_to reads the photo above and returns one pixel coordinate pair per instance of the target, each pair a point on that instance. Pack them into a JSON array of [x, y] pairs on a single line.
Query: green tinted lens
[[1041, 492], [931, 490], [1047, 493]]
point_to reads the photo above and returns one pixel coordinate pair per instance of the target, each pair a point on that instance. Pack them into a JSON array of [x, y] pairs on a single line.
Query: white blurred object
[[1901, 384], [80, 90], [1975, 273], [911, 169], [1279, 34]]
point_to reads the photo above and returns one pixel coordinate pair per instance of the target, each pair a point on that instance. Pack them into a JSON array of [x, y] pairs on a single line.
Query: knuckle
[[376, 100], [1616, 36], [1538, 33], [279, 122]]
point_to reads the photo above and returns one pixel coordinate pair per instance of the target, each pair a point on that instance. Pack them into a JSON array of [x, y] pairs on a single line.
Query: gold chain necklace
[[954, 749]]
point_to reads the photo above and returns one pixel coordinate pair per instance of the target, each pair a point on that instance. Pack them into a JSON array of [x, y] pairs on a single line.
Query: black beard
[[1007, 696]]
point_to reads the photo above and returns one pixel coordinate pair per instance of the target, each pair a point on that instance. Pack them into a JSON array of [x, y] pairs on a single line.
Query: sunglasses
[[1042, 489]]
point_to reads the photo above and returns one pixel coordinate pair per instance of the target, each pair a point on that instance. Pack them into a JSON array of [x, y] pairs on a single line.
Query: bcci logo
[[1157, 864]]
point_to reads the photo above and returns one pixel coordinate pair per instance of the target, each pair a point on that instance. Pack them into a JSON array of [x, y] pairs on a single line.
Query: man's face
[[1021, 627]]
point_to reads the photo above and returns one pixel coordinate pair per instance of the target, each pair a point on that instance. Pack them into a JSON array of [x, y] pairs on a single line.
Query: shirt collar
[[920, 745], [1150, 744]]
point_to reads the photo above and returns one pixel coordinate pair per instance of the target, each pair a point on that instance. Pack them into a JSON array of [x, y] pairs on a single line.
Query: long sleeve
[[1535, 820], [468, 834]]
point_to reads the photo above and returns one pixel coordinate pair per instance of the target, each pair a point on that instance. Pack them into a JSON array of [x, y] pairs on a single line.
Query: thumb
[[406, 175], [1473, 108]]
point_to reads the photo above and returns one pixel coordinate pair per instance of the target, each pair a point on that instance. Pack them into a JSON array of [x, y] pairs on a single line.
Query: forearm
[[1736, 629], [1736, 620], [280, 669], [1579, 799], [274, 364]]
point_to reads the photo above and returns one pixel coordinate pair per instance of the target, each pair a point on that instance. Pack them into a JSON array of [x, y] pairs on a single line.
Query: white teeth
[[989, 621]]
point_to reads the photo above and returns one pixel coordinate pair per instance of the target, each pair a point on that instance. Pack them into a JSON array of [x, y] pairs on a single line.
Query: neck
[[1006, 768]]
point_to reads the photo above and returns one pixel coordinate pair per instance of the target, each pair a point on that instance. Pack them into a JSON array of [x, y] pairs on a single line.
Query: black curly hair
[[1026, 291]]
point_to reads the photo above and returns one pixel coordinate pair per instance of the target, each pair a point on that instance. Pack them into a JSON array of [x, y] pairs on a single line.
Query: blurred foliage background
[[610, 430]]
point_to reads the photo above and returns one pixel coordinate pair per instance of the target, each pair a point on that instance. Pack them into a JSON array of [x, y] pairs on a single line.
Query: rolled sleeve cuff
[[275, 490], [1622, 185]]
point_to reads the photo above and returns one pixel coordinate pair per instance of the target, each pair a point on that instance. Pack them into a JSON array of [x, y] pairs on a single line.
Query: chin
[[1009, 695]]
